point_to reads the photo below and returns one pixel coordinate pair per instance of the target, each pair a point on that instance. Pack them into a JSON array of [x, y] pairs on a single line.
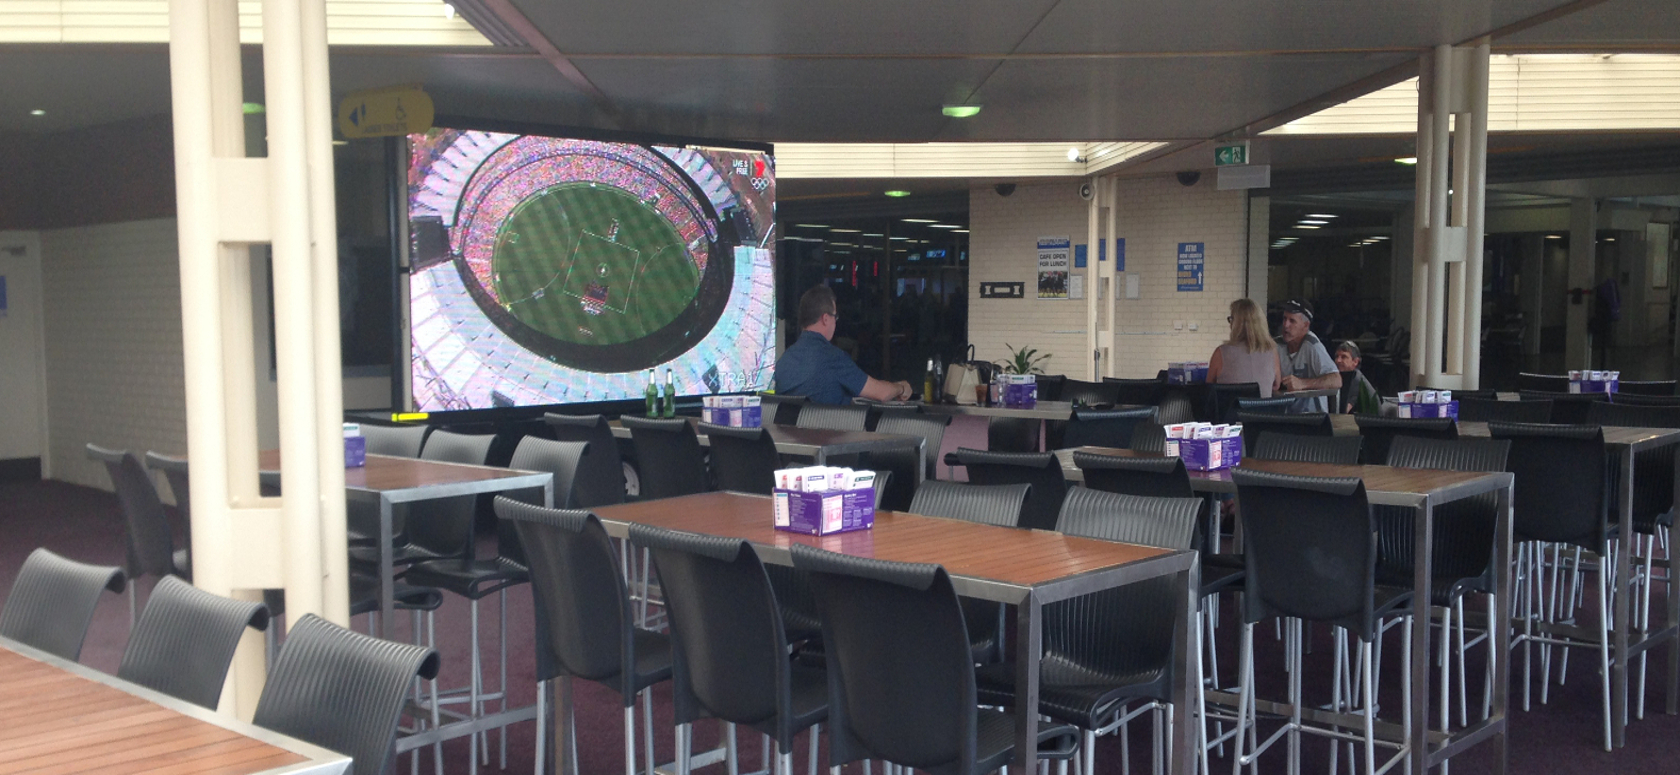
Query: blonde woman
[[1249, 355]]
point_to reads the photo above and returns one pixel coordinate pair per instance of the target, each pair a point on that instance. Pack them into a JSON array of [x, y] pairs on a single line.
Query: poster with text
[[1053, 260], [1191, 259]]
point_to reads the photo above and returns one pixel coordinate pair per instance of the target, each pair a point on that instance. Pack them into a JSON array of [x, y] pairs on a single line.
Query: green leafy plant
[[1023, 360]]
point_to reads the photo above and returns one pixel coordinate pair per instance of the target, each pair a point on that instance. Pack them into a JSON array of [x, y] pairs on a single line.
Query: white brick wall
[[112, 300], [1154, 215]]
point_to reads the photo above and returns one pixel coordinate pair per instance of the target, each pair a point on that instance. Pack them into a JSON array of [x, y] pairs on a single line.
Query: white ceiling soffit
[[1531, 93], [950, 160], [358, 23]]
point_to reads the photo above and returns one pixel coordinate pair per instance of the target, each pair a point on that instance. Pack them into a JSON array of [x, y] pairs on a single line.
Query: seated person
[[1249, 355], [813, 367], [1306, 364], [1358, 395]]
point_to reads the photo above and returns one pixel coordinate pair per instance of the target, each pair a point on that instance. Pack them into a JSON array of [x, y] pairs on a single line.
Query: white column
[[1093, 237], [1111, 280], [1472, 130]]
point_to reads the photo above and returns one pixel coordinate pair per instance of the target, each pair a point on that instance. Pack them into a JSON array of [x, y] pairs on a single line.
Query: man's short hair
[[1299, 307], [1347, 346], [814, 304]]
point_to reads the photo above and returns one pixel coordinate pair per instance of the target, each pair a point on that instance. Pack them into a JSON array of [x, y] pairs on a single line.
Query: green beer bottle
[[652, 396], [670, 395]]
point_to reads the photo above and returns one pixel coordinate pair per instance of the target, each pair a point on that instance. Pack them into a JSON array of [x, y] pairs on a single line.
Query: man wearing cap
[[1303, 361]]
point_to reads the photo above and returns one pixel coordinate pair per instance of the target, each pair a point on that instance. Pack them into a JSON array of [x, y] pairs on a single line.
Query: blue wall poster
[[1080, 252], [2, 295], [1190, 261]]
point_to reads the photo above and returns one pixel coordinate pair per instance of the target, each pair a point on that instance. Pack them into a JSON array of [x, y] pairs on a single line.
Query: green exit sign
[[1225, 155]]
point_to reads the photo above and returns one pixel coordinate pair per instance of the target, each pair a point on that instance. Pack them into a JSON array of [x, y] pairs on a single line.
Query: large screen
[[553, 270]]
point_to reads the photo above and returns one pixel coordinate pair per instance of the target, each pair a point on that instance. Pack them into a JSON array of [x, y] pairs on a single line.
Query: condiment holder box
[[1186, 373], [1210, 454], [1019, 391], [1595, 381], [733, 411], [1417, 410], [824, 513], [355, 446]]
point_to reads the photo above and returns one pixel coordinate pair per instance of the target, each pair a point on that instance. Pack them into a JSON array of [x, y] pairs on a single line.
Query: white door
[[23, 409]]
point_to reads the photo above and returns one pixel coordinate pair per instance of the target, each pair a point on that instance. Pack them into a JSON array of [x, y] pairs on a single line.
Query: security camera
[[1085, 191], [1189, 178], [1004, 189]]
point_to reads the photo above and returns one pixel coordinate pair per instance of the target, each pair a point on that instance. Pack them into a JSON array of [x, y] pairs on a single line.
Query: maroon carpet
[[1561, 737]]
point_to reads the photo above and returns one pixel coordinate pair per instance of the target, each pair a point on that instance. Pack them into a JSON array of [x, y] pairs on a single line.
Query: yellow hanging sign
[[400, 110]]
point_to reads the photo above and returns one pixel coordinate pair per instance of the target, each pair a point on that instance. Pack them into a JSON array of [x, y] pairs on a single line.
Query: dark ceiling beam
[[516, 20]]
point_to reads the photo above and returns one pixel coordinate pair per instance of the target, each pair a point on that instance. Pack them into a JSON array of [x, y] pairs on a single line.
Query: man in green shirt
[[1358, 395]]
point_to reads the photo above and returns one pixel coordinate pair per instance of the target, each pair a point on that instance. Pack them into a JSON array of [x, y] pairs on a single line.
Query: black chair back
[[729, 650], [1145, 392], [1567, 408], [341, 690], [908, 696], [668, 457], [1309, 548], [1050, 386], [1634, 399], [151, 543], [1091, 394], [1561, 482], [444, 526], [782, 408], [878, 411], [600, 477], [52, 601], [1494, 410], [584, 625], [1309, 424], [395, 440], [1379, 433], [742, 459], [185, 639], [1013, 434], [177, 473], [1265, 405], [1222, 399], [1106, 427], [990, 504], [843, 417], [1633, 416], [1169, 523], [1149, 437], [563, 459], [1039, 469], [1552, 383], [1336, 450], [1463, 530], [1154, 477], [901, 486], [1655, 387]]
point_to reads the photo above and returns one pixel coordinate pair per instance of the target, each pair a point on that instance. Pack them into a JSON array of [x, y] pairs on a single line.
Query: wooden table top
[[53, 721], [1378, 479], [384, 472], [1024, 558]]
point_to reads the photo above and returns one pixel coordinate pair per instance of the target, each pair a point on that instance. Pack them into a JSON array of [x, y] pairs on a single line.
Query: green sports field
[[590, 264]]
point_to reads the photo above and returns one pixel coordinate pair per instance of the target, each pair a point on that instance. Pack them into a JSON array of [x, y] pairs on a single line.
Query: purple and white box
[[1429, 410], [825, 513], [355, 446], [1020, 391], [1212, 454]]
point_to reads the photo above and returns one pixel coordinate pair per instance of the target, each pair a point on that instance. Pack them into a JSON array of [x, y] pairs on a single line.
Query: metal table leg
[[387, 592], [1619, 649], [1029, 647], [1422, 528]]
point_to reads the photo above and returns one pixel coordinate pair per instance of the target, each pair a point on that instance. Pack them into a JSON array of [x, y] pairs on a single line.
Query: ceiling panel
[[1617, 23], [1087, 26], [81, 86], [1151, 99], [738, 27], [846, 100]]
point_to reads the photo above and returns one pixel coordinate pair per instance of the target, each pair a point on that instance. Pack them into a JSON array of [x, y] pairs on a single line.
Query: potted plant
[[1024, 360]]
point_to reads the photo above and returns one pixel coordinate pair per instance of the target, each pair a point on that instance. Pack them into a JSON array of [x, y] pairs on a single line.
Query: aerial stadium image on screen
[[548, 270]]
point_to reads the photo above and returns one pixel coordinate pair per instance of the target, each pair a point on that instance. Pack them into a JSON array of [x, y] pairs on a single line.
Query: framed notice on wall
[[1191, 260], [1053, 259]]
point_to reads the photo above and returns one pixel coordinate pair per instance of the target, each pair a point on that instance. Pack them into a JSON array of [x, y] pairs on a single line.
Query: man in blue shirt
[[813, 367]]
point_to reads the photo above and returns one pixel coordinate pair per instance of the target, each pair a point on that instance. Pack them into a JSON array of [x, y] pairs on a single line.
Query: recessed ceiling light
[[1407, 160], [874, 235], [1305, 226], [959, 231], [1316, 222], [943, 226], [899, 239], [1321, 215], [37, 112], [1609, 239], [896, 193], [810, 226], [960, 111], [1554, 236], [845, 231], [1380, 237], [920, 220]]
